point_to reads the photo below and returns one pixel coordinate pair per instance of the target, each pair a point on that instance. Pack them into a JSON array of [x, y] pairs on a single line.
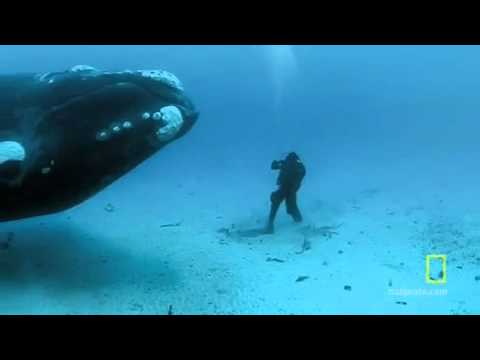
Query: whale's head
[[152, 102], [68, 135]]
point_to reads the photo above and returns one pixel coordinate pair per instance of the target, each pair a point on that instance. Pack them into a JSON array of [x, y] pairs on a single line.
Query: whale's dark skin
[[81, 130]]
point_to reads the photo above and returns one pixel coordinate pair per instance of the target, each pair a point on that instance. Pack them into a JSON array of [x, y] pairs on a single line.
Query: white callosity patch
[[117, 72], [86, 69], [146, 116], [163, 76], [115, 128], [157, 116], [172, 117], [43, 77], [102, 135], [83, 68], [11, 150]]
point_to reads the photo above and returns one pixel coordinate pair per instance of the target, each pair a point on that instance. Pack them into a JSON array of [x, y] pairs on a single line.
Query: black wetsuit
[[292, 172]]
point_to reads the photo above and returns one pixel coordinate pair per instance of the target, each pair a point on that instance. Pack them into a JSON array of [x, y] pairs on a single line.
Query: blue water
[[389, 135]]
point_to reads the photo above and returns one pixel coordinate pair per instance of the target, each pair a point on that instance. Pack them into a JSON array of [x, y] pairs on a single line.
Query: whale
[[65, 136]]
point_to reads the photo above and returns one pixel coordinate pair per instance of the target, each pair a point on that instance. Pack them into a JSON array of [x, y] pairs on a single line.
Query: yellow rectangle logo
[[443, 279]]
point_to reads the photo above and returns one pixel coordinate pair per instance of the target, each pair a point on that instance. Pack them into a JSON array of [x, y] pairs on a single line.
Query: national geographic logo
[[435, 273], [441, 279]]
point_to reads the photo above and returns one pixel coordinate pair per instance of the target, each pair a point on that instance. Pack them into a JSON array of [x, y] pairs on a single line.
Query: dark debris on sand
[[177, 224], [310, 231], [136, 307], [225, 231], [306, 245]]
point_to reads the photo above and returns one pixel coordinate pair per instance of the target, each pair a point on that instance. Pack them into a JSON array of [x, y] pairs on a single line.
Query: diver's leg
[[276, 199], [292, 207]]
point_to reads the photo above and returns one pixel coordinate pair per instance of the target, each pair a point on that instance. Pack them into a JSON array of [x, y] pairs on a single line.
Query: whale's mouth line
[[148, 90]]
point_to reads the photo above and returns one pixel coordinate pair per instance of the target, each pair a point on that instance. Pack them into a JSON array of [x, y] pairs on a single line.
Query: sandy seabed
[[361, 255]]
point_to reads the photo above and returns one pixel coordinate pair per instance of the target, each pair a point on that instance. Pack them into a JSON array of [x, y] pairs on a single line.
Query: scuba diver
[[292, 172]]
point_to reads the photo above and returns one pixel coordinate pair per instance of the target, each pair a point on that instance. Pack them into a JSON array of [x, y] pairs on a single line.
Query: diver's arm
[[277, 165]]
